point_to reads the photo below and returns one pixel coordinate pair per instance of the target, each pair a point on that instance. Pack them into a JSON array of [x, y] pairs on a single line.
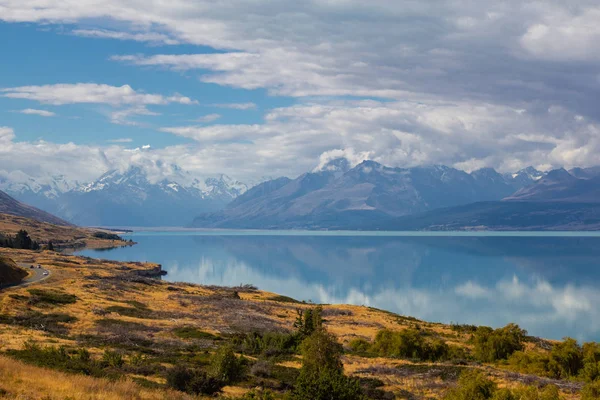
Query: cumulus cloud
[[471, 85], [121, 117], [41, 113]]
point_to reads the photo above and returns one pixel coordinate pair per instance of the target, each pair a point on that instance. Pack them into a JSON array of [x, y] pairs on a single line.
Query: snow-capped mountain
[[133, 197], [338, 196]]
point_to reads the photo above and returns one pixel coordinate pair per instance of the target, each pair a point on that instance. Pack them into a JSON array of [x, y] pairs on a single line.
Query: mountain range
[[367, 195], [125, 198], [9, 205]]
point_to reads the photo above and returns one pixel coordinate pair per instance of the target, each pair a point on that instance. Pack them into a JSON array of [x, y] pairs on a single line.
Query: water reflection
[[549, 285]]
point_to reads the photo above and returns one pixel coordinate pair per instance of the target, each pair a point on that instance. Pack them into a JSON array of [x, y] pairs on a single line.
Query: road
[[35, 275]]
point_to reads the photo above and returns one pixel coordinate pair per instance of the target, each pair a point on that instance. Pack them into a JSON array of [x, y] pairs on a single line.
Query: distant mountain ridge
[[9, 205], [126, 198], [339, 197]]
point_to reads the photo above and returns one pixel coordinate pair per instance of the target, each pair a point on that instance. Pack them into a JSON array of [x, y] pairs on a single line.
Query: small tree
[[226, 366], [322, 373], [50, 246], [566, 358], [309, 320]]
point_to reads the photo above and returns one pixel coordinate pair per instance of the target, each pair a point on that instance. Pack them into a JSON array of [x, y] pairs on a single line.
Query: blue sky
[[44, 55], [265, 88]]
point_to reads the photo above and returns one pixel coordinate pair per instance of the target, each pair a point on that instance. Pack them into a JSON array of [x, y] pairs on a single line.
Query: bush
[[473, 385], [409, 343], [113, 358], [268, 344], [322, 373], [549, 392], [531, 363], [262, 369], [51, 297], [360, 346], [226, 366], [591, 362], [493, 345], [193, 381], [189, 332], [566, 358], [591, 391]]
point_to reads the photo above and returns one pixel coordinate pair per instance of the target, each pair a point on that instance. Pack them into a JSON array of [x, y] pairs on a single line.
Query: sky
[[267, 88]]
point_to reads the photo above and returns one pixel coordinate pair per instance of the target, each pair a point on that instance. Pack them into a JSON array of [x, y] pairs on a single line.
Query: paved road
[[35, 275]]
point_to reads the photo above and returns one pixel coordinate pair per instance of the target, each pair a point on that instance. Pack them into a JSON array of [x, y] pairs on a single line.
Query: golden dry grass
[[65, 236], [21, 381], [97, 286]]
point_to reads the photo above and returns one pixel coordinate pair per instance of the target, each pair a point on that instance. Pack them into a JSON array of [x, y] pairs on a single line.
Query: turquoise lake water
[[549, 283]]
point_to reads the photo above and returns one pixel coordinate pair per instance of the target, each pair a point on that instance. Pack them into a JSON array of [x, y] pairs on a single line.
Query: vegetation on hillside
[[108, 321]]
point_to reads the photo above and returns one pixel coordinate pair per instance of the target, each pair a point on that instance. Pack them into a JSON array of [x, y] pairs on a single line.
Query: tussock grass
[[21, 381]]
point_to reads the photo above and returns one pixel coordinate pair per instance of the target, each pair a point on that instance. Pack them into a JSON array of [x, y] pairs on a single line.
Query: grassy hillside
[[22, 381], [106, 320], [10, 273], [61, 236]]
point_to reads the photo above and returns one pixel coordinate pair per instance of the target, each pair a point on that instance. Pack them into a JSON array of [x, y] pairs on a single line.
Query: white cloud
[[466, 84], [61, 94], [121, 117], [152, 37], [122, 140], [236, 106], [208, 118], [41, 113]]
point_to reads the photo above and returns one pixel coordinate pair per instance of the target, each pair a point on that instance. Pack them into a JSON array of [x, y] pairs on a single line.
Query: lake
[[547, 283]]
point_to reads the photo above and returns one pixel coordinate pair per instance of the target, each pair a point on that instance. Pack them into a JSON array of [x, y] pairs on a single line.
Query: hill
[[9, 205], [61, 236], [503, 216], [10, 273]]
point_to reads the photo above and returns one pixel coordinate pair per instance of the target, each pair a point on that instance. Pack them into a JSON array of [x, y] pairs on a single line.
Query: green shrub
[[549, 392], [189, 332], [226, 366], [591, 391], [193, 381], [566, 358], [493, 345], [531, 363], [322, 373], [503, 394], [134, 312], [51, 297], [268, 344], [591, 362], [472, 385], [409, 343], [360, 346], [113, 358]]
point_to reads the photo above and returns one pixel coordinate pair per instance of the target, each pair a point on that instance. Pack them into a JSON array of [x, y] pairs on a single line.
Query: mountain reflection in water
[[548, 285]]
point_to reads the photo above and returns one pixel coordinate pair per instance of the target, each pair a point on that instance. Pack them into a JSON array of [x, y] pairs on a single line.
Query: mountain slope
[[560, 186], [337, 197], [8, 205], [126, 198], [558, 201], [502, 216]]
